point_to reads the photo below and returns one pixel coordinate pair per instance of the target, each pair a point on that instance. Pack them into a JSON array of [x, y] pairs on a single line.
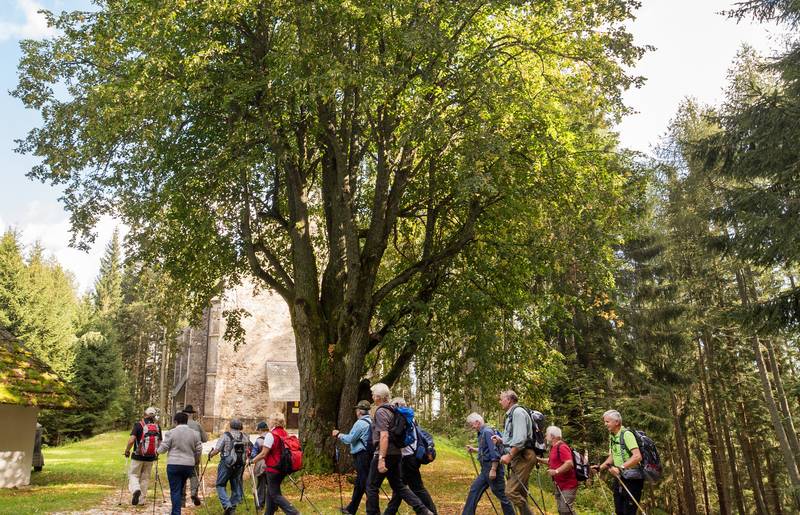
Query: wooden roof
[[28, 381]]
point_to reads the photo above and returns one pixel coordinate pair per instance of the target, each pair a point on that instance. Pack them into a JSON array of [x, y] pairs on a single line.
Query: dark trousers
[[177, 476], [479, 486], [394, 475], [275, 498], [361, 461], [622, 501], [261, 490], [409, 470]]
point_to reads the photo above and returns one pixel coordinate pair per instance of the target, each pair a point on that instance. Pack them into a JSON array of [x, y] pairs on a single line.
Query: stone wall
[[240, 377]]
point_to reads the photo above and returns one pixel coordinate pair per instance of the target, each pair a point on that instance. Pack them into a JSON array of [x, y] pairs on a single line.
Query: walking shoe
[[196, 500], [230, 509], [135, 498]]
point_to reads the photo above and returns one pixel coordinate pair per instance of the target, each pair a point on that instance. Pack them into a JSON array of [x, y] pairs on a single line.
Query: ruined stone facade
[[250, 382]]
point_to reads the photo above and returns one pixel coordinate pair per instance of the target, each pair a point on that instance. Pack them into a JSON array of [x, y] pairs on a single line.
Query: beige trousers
[[139, 477], [517, 485]]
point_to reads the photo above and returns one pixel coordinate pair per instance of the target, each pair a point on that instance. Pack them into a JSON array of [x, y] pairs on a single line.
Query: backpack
[[651, 461], [580, 465], [535, 439], [149, 441], [401, 429], [426, 450], [291, 455], [368, 445], [236, 459]]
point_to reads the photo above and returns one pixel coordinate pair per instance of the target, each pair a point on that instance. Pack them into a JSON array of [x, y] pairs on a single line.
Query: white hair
[[399, 401], [474, 417], [554, 431], [381, 391], [613, 414]]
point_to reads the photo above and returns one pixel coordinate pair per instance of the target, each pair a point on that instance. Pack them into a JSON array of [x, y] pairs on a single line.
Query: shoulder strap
[[623, 448]]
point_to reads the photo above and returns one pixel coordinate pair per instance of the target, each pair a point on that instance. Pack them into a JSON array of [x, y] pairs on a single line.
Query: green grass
[[88, 474], [75, 476]]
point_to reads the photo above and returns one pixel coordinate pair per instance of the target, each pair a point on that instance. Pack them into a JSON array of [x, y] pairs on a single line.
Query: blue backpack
[[426, 450], [408, 414]]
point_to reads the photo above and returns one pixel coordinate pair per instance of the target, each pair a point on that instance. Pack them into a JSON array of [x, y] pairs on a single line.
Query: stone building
[[250, 382]]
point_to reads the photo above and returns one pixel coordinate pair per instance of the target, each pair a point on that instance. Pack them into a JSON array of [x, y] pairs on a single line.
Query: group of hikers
[[386, 443]]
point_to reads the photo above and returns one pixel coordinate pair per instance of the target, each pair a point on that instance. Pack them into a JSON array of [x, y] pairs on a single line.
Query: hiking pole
[[256, 501], [301, 490], [561, 493], [631, 496], [525, 487], [203, 486], [338, 475], [124, 480], [477, 474], [539, 480], [385, 494]]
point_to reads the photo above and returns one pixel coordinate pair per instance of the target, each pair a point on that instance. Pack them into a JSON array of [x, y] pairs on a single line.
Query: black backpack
[[398, 428], [651, 462], [237, 458], [579, 465], [535, 439]]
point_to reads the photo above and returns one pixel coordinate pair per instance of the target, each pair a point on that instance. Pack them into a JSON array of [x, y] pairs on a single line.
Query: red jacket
[[274, 454]]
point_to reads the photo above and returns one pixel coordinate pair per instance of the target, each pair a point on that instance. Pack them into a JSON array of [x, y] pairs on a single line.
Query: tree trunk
[[683, 453], [731, 454], [749, 460], [775, 416], [162, 377], [712, 434], [706, 501], [774, 489], [783, 401]]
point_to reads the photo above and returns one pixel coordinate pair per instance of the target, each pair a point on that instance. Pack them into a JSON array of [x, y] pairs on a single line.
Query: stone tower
[[250, 382]]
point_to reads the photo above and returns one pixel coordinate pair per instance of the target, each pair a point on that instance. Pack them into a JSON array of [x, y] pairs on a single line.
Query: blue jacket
[[358, 436], [487, 450]]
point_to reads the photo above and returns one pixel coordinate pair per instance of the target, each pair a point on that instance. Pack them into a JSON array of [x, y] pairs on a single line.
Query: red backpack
[[291, 455], [148, 442]]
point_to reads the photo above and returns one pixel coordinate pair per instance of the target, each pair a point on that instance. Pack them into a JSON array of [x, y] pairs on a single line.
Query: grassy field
[[87, 475]]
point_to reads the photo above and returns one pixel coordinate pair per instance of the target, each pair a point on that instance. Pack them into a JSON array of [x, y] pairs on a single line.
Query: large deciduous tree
[[343, 153]]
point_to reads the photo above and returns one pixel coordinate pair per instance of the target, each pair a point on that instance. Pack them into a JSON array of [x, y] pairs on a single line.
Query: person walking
[[183, 448], [360, 441], [409, 471], [517, 432], [491, 472], [271, 454], [386, 460], [561, 467], [38, 459], [623, 463], [234, 446], [194, 425], [145, 438], [259, 470]]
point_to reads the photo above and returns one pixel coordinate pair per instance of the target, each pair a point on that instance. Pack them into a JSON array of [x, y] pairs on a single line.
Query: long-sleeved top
[[518, 426], [358, 436], [197, 427], [183, 445], [487, 449]]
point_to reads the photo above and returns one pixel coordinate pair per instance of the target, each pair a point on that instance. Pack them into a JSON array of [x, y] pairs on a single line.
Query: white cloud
[[49, 225], [33, 27]]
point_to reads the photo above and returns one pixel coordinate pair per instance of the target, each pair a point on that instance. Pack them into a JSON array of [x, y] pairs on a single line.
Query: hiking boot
[[135, 498], [196, 500], [230, 509]]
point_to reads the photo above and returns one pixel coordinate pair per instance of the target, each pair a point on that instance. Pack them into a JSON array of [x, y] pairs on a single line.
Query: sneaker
[[196, 500], [135, 498]]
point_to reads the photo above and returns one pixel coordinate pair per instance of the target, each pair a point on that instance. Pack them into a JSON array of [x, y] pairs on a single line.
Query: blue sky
[[695, 46]]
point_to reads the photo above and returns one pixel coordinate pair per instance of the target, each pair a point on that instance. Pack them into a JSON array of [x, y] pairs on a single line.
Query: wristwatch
[[622, 467]]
